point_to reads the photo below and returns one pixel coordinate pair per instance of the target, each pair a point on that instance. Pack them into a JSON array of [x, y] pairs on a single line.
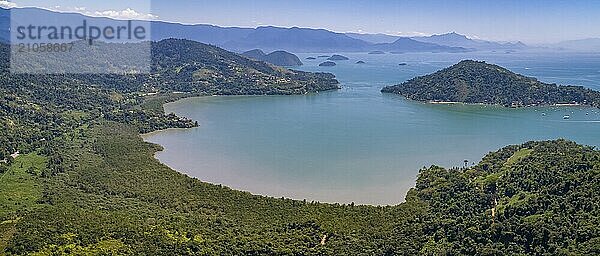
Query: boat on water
[[566, 117]]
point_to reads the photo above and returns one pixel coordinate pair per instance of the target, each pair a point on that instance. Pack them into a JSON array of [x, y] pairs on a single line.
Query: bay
[[359, 145]]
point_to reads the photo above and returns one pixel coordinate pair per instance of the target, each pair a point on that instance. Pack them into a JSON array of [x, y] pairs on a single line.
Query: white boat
[[567, 117]]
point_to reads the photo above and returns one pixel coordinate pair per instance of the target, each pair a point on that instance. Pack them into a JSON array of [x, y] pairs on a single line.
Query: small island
[[279, 58], [377, 52], [360, 62], [402, 64], [327, 64], [478, 82], [256, 54], [338, 57], [311, 58]]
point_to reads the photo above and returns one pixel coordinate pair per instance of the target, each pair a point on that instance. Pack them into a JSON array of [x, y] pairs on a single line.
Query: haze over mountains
[[458, 40], [270, 38], [587, 45]]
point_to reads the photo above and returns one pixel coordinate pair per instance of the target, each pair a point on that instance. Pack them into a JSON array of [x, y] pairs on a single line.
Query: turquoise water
[[358, 145]]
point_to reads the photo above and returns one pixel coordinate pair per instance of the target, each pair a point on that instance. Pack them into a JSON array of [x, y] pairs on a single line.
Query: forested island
[[278, 58], [337, 57], [479, 82], [86, 183]]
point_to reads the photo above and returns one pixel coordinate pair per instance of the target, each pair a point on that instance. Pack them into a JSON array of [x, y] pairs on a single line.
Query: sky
[[530, 21]]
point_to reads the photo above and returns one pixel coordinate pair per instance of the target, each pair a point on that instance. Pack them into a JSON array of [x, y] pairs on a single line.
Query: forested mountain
[[478, 82], [190, 66], [539, 198]]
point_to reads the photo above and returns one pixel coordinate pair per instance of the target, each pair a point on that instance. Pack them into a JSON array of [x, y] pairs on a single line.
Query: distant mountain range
[[450, 39], [457, 40], [585, 45], [374, 38], [266, 38], [296, 40], [269, 38], [405, 44]]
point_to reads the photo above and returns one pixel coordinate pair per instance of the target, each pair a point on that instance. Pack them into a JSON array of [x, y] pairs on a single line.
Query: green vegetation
[[224, 73], [114, 196], [542, 203], [88, 184], [19, 184], [34, 109], [478, 82], [517, 156]]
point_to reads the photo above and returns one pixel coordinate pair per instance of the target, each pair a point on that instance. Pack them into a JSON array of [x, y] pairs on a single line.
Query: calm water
[[358, 145]]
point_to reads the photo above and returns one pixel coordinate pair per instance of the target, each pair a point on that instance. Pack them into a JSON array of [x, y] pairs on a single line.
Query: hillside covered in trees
[[87, 184], [37, 108], [189, 66], [478, 82]]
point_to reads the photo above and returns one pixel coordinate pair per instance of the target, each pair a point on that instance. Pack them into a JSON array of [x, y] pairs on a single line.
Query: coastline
[[144, 135], [436, 102]]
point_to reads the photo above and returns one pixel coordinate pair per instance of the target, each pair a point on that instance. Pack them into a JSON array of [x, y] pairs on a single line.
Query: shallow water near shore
[[359, 145]]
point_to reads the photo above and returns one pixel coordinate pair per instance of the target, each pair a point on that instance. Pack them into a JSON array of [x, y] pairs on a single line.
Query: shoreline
[[143, 135], [146, 137], [197, 96], [433, 102]]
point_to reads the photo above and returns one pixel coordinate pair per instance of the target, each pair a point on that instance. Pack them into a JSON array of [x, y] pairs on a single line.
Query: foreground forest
[[86, 183]]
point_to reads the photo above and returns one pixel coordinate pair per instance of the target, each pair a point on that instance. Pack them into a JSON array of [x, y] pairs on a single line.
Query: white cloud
[[129, 14], [411, 33], [7, 4]]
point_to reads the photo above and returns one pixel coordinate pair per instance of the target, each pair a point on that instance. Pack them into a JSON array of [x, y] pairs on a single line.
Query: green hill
[[478, 82], [195, 67]]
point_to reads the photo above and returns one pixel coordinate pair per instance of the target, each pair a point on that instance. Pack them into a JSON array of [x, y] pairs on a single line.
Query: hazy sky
[[531, 21]]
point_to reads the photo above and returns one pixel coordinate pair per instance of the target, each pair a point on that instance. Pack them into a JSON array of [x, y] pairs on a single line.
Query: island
[[360, 62], [338, 57], [311, 58], [279, 58], [327, 64], [479, 82], [256, 54], [402, 64], [377, 52], [283, 58]]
